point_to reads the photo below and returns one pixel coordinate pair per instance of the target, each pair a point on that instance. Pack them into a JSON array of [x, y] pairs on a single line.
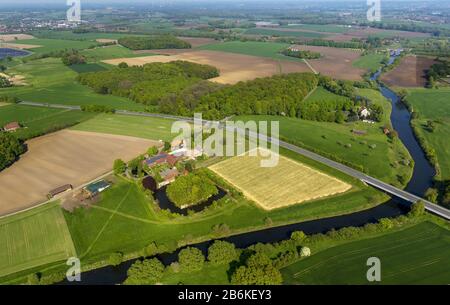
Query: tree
[[10, 149], [298, 236], [152, 151], [119, 167], [123, 65], [191, 259], [305, 252], [417, 209], [258, 270], [167, 146], [4, 82], [432, 195], [222, 252], [146, 272]]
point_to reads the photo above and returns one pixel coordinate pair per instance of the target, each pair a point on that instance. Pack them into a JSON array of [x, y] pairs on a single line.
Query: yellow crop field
[[286, 184]]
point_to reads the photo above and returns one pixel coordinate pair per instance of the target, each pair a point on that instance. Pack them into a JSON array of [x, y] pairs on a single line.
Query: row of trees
[[10, 149], [4, 82], [154, 42], [149, 83], [301, 54], [437, 71]]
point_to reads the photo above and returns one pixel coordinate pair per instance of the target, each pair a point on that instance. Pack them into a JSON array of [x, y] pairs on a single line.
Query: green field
[[135, 126], [85, 68], [39, 120], [278, 33], [263, 49], [69, 35], [109, 52], [383, 161], [327, 28], [124, 220], [51, 45], [33, 239], [49, 81], [417, 255], [434, 105], [371, 62]]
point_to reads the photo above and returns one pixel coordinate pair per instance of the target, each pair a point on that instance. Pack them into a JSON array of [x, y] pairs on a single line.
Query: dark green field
[[49, 81], [434, 105], [39, 120], [418, 255], [277, 33]]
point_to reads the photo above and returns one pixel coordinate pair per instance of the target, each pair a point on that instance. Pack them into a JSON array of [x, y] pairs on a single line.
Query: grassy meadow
[[109, 52], [39, 120], [52, 45], [32, 239], [370, 62], [49, 81], [416, 255], [135, 126], [434, 105], [262, 49]]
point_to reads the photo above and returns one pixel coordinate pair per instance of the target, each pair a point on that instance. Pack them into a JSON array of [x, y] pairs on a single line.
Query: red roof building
[[13, 126]]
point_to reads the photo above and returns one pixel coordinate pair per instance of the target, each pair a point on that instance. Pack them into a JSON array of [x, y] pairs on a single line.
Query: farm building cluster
[[165, 167]]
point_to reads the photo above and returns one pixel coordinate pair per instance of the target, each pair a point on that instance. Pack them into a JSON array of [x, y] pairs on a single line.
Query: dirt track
[[233, 67], [410, 72], [335, 62], [65, 157]]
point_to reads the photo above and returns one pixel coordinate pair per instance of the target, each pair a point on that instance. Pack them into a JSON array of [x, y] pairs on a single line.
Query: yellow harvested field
[[64, 157], [13, 37], [286, 184], [104, 40], [17, 80], [233, 67]]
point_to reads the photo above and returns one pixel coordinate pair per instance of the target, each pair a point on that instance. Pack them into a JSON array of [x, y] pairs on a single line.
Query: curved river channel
[[421, 180]]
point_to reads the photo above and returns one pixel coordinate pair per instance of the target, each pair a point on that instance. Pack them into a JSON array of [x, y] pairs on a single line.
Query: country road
[[394, 191]]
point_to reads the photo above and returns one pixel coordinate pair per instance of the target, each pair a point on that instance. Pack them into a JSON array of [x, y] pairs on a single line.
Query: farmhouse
[[169, 176], [364, 113], [11, 127], [180, 150], [162, 158]]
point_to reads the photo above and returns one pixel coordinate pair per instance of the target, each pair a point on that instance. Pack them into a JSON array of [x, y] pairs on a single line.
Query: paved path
[[431, 207]]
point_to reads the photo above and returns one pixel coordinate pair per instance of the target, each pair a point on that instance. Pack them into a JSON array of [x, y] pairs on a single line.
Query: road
[[394, 191]]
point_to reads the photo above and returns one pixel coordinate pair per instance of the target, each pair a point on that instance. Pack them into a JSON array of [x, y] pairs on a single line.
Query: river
[[420, 181]]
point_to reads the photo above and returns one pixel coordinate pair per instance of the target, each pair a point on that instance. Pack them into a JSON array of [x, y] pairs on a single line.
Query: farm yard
[[337, 63], [285, 184], [64, 157], [233, 67], [417, 267], [410, 72], [33, 239]]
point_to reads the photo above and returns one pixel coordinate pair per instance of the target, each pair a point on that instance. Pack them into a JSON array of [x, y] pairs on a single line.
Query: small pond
[[5, 52], [165, 203]]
